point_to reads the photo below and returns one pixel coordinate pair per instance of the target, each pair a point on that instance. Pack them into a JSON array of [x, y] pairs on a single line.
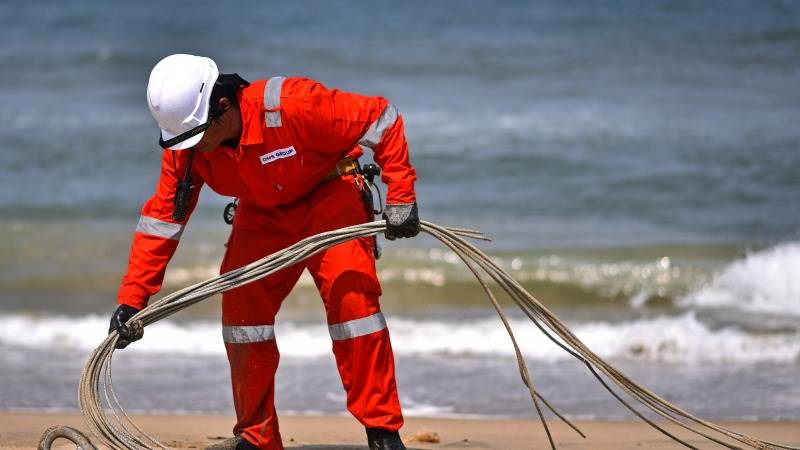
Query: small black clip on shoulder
[[230, 211]]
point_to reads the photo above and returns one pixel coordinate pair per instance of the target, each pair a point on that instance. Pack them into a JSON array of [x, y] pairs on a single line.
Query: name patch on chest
[[277, 154]]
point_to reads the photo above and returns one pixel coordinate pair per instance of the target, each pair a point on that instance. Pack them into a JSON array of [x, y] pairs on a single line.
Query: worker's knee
[[352, 295]]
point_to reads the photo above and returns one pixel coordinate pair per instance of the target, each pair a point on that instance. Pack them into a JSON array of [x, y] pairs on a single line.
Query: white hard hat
[[178, 94]]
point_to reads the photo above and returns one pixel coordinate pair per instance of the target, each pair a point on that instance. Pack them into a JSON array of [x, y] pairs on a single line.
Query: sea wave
[[577, 123], [639, 279], [763, 282], [683, 338]]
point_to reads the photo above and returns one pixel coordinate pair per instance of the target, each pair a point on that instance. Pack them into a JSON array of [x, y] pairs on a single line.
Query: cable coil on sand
[[118, 431]]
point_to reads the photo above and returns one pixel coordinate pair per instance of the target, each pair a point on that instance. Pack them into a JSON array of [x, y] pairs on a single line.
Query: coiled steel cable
[[118, 431]]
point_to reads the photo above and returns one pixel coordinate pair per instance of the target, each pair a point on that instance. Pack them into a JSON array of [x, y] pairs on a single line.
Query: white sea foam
[[767, 281], [414, 408], [672, 339]]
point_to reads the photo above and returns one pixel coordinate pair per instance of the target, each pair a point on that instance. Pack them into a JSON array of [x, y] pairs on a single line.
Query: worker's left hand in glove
[[402, 221], [118, 320]]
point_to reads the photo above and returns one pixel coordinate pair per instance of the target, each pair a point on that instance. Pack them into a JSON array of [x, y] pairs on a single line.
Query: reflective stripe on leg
[[358, 327], [247, 334]]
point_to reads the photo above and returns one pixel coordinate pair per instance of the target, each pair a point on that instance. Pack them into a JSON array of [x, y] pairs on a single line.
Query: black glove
[[402, 221], [126, 333]]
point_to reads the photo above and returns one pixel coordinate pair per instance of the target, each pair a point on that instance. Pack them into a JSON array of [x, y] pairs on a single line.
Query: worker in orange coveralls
[[287, 148]]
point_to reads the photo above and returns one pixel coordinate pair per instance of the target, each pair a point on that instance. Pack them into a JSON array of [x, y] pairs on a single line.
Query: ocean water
[[634, 163]]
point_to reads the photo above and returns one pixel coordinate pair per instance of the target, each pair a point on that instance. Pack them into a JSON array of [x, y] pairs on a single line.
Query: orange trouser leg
[[346, 278], [248, 315]]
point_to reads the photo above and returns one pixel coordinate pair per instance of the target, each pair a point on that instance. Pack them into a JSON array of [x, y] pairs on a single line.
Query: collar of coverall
[[250, 108]]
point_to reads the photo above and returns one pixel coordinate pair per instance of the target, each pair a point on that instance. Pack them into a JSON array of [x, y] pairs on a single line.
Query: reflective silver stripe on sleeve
[[358, 327], [249, 334], [155, 227], [375, 132], [272, 100]]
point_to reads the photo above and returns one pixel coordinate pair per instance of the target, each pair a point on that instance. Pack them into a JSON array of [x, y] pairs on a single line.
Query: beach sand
[[22, 430]]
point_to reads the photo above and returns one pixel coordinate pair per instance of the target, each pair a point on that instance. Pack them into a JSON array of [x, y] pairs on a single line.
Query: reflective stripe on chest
[[272, 102]]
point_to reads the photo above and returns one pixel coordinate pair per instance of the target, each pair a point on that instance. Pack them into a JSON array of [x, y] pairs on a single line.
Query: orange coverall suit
[[294, 131]]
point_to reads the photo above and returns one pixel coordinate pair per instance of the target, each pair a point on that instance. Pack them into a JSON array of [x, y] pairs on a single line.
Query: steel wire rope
[[96, 384], [646, 397]]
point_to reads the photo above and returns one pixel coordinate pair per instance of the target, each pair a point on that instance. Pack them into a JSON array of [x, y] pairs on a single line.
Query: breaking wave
[[672, 339], [763, 282]]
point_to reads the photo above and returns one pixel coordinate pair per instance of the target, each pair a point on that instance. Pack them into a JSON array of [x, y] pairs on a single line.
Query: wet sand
[[23, 430]]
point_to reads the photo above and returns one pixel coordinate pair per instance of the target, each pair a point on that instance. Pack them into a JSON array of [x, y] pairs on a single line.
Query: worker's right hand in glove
[[402, 221], [118, 320]]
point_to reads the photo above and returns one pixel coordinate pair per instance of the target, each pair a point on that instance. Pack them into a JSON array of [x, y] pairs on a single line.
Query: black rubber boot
[[380, 439], [234, 443]]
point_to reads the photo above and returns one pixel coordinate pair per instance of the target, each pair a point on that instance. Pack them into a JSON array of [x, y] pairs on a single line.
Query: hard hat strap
[[183, 136]]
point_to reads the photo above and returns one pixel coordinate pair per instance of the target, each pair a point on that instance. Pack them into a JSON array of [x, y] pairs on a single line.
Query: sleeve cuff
[[131, 298], [401, 192]]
